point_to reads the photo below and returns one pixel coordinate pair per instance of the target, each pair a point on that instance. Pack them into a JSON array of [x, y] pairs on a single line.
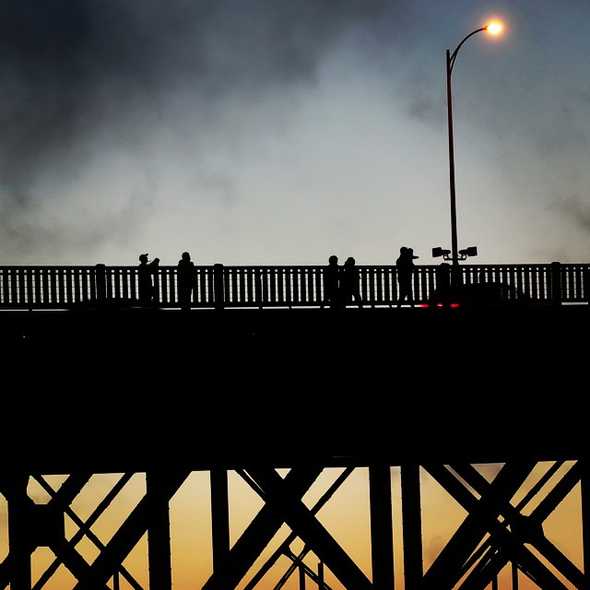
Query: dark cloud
[[75, 70], [69, 66]]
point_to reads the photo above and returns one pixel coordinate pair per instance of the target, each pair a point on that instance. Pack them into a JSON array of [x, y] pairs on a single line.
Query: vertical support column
[[412, 525], [495, 583], [556, 283], [20, 547], [301, 577], [219, 518], [321, 584], [381, 527], [159, 559], [514, 576], [585, 489]]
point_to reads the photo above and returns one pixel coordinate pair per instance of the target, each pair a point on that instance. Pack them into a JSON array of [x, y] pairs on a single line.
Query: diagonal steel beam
[[128, 535], [540, 513], [482, 575], [84, 529], [300, 564], [487, 514], [297, 516], [513, 516], [325, 498], [260, 531], [468, 536], [69, 489], [559, 492]]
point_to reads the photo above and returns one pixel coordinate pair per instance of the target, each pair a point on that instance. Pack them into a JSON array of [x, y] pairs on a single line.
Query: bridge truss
[[503, 528]]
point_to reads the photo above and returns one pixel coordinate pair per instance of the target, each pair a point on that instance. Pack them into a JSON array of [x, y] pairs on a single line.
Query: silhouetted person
[[147, 293], [186, 280], [349, 283], [405, 268], [332, 282]]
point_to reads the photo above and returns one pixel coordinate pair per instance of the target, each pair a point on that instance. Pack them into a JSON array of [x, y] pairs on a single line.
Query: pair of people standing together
[[186, 278], [341, 284]]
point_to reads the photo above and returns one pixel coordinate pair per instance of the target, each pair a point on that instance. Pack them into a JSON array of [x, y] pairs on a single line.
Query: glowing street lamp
[[495, 28]]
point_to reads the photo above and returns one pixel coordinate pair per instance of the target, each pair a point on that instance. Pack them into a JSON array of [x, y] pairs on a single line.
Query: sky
[[267, 132], [281, 132]]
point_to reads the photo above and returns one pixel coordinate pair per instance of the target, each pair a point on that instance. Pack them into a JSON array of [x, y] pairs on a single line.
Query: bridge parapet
[[219, 286]]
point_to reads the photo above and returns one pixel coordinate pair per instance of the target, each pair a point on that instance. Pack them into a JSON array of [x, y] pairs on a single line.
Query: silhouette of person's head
[[143, 258], [350, 261], [403, 251], [333, 260], [186, 256]]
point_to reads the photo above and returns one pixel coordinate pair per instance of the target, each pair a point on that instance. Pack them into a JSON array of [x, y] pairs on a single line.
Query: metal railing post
[[101, 283], [218, 287], [556, 295]]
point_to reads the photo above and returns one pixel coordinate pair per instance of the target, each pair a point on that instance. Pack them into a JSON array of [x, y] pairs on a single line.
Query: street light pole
[[494, 28], [454, 248]]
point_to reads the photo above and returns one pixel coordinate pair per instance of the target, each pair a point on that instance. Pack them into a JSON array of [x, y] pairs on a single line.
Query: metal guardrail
[[219, 286]]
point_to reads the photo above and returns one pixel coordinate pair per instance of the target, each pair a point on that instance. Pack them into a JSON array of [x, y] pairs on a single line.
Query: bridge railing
[[218, 286]]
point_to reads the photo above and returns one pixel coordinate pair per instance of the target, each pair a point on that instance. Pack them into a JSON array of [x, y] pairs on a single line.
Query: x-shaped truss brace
[[492, 514], [109, 561], [284, 505]]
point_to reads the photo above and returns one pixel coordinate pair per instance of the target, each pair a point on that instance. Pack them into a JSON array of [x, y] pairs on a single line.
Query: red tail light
[[455, 305], [440, 305], [424, 305]]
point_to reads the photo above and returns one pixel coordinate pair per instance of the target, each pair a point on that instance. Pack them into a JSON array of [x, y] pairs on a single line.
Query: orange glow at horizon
[[346, 517]]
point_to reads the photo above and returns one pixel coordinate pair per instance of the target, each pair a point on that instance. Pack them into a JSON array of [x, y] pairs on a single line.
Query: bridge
[[159, 394]]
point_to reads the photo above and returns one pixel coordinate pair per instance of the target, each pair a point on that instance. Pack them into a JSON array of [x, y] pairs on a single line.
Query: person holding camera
[[147, 292]]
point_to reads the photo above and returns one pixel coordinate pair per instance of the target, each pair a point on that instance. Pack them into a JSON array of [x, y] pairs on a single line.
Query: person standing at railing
[[186, 279], [147, 293], [349, 283], [405, 269], [332, 282]]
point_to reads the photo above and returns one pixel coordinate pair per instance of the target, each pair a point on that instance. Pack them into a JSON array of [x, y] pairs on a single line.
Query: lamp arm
[[454, 54]]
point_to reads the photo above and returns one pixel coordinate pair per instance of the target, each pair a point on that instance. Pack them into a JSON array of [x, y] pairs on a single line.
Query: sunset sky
[[284, 131], [346, 517]]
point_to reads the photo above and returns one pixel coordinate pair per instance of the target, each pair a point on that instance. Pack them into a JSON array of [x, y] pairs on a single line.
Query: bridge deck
[[114, 391]]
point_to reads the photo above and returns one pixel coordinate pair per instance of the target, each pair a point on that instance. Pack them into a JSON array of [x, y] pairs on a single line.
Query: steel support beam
[[444, 570], [284, 546], [260, 531], [19, 531], [128, 535], [483, 517], [297, 516], [412, 525], [219, 518], [301, 569], [585, 479], [526, 530], [514, 576], [381, 526], [159, 557], [85, 529]]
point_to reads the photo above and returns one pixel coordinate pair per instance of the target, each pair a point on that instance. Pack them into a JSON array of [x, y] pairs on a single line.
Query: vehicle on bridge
[[479, 296]]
